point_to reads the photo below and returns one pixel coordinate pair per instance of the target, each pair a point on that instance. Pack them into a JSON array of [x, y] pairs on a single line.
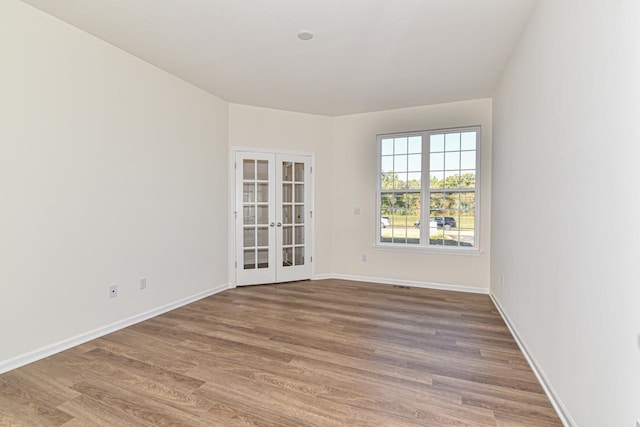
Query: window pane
[[437, 180], [406, 214], [413, 211], [467, 210], [452, 142], [468, 179], [452, 161], [436, 203], [400, 163], [451, 179], [414, 180], [453, 214], [415, 163], [401, 181], [436, 162], [385, 223], [451, 236], [388, 181], [468, 160], [467, 237], [451, 204], [386, 164], [399, 218], [400, 146], [415, 144], [399, 227], [386, 203], [468, 141], [436, 235], [436, 143], [387, 147]]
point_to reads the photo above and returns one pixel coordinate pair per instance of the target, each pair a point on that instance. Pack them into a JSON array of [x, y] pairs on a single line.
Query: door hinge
[[235, 214], [236, 264], [311, 259], [311, 214], [235, 165]]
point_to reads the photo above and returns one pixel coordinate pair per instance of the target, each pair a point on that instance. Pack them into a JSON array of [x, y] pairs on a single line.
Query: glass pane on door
[[293, 213], [255, 213], [299, 255], [249, 259], [299, 171]]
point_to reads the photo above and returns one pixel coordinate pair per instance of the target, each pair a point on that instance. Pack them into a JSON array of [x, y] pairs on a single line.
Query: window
[[428, 190]]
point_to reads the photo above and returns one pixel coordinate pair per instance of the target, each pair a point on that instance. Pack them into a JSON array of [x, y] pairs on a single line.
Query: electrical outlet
[[502, 280], [356, 211], [364, 257], [143, 283], [113, 291]]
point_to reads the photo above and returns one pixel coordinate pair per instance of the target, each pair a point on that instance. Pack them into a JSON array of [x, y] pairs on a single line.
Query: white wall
[[265, 128], [110, 170], [354, 186], [565, 206], [345, 177]]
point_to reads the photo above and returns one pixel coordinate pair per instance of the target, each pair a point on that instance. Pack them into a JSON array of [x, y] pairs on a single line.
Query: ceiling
[[367, 55]]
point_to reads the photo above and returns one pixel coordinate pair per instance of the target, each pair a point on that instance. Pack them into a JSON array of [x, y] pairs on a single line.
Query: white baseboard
[[65, 344], [411, 283], [557, 404]]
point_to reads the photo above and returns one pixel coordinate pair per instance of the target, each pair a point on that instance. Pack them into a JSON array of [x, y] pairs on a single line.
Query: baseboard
[[54, 348], [411, 283], [557, 404]]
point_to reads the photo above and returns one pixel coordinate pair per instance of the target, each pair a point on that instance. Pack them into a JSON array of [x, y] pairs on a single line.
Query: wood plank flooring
[[323, 353]]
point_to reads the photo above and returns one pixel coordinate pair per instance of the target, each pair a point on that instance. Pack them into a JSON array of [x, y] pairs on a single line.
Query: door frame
[[231, 231]]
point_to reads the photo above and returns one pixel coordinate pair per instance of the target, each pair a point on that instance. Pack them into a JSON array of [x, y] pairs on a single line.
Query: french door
[[272, 218]]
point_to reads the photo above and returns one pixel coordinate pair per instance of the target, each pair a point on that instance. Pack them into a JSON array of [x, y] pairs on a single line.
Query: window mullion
[[425, 191]]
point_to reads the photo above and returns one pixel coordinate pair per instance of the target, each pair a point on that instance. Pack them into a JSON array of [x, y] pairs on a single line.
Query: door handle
[[271, 225], [279, 224]]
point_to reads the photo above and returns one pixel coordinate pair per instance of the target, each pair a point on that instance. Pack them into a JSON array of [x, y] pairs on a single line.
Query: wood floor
[[323, 353]]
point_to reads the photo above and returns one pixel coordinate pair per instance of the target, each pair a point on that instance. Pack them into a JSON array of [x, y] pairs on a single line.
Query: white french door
[[273, 217]]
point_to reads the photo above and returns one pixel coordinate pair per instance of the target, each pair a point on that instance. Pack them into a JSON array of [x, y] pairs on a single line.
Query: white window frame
[[424, 245]]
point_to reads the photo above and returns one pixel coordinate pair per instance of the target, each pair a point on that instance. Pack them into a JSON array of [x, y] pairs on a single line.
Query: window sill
[[403, 247]]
